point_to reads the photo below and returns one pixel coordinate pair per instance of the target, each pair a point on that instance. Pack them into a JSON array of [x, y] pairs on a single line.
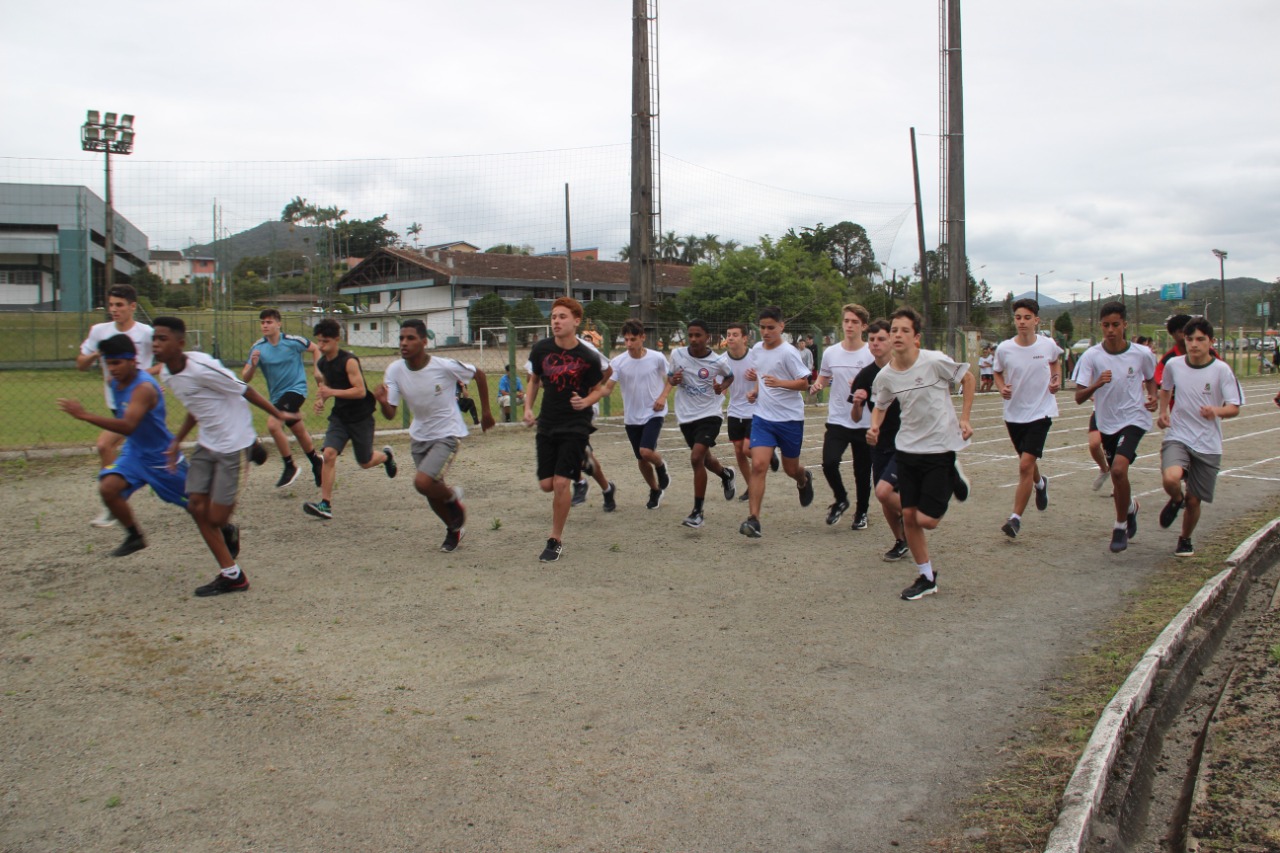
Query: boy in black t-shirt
[[338, 375], [571, 375], [884, 470]]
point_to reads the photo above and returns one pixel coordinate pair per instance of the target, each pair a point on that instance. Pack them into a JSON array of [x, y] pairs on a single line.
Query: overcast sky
[[1102, 136]]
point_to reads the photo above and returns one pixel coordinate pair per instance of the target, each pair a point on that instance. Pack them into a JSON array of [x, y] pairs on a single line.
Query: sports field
[[659, 688]]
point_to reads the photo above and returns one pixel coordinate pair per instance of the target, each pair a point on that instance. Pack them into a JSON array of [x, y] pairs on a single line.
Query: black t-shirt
[[563, 373], [335, 376], [892, 415]]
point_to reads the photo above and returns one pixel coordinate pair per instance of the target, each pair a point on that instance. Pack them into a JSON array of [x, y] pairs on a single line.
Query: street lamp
[[110, 134], [1092, 313], [1222, 288], [1037, 277]]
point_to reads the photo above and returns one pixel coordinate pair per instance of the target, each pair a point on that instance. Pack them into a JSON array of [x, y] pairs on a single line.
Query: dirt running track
[[658, 689]]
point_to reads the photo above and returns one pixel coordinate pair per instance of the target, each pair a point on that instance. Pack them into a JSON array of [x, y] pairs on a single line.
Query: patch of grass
[[496, 524], [112, 802], [1274, 653], [1017, 811]]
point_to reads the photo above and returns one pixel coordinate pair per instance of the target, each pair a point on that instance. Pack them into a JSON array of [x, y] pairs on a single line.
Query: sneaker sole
[[688, 523], [310, 510], [1184, 553], [297, 472], [891, 558], [919, 595], [750, 532], [1008, 530], [445, 547]]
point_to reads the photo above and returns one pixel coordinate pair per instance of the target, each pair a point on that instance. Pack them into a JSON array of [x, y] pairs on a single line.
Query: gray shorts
[[359, 433], [1200, 469], [433, 458], [215, 474]]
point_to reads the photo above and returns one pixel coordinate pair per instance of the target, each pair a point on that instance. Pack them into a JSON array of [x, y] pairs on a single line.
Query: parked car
[[1081, 345]]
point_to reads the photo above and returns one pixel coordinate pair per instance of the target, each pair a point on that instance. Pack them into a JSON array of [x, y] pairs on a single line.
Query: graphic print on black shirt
[[562, 374]]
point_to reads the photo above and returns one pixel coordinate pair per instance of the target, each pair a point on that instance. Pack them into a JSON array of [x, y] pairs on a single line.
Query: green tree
[[669, 246], [693, 249], [845, 243], [509, 249], [1065, 327], [611, 314], [361, 237], [148, 284], [413, 231], [488, 310], [527, 313]]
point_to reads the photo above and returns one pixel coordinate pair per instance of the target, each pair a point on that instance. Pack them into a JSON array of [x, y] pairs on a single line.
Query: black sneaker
[[663, 480], [745, 496], [458, 508], [1184, 548], [774, 461], [390, 464], [835, 511], [231, 535], [694, 520], [729, 483], [806, 491], [897, 552], [223, 584], [655, 499], [552, 552], [320, 509], [751, 528], [1132, 520], [580, 490], [1011, 528], [131, 545], [922, 587], [317, 466], [1119, 540], [288, 475], [610, 497], [452, 539], [1042, 495], [1170, 513], [257, 453], [859, 521], [959, 483]]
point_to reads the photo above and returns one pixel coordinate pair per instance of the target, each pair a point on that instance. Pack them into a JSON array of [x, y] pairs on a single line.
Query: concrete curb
[[1088, 785]]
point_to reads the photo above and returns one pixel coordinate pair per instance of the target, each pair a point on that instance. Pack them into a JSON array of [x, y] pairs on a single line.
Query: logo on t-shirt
[[703, 373], [1206, 387]]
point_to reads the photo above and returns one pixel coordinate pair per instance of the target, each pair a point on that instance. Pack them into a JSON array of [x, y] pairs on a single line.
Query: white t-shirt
[[215, 398], [782, 362], [1122, 401], [840, 367], [430, 395], [923, 391], [139, 333], [1028, 369], [1211, 384], [696, 396], [642, 380], [986, 365], [739, 406]]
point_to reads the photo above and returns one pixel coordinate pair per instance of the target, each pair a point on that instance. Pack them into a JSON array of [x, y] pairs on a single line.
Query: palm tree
[[694, 249], [413, 231], [624, 254], [669, 246]]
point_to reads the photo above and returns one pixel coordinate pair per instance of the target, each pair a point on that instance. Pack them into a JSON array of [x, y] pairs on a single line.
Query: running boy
[[884, 470], [737, 341], [122, 303], [338, 375], [139, 417], [1028, 374], [422, 382], [841, 364], [700, 377], [219, 401], [571, 371], [780, 378], [279, 357], [928, 437], [642, 373], [1207, 392], [1121, 374]]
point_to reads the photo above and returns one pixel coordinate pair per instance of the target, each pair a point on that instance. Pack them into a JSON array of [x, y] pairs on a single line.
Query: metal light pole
[[1037, 277], [1222, 286], [103, 133]]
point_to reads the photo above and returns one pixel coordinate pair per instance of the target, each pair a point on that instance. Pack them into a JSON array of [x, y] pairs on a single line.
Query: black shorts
[[1029, 437], [702, 431], [739, 428], [884, 466], [560, 455], [1093, 422], [290, 401], [645, 435], [1123, 443], [925, 481]]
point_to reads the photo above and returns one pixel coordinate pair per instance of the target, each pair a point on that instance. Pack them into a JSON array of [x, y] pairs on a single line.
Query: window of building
[[373, 327]]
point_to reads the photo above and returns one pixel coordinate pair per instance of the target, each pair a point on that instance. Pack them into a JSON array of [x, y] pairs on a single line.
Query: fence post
[[606, 343]]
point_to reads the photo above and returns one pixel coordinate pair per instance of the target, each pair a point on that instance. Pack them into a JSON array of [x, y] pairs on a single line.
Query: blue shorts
[[169, 486], [645, 436], [787, 436]]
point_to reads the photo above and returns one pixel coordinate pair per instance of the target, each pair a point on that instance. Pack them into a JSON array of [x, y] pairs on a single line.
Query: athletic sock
[[697, 503], [133, 531], [1015, 517], [1133, 507], [926, 569], [232, 573], [1041, 484], [1122, 525], [287, 460]]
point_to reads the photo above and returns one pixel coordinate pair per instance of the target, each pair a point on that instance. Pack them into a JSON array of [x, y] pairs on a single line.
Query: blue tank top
[[152, 437]]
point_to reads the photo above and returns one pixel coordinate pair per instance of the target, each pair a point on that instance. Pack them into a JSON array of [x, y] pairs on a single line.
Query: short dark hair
[[770, 312], [701, 324], [1142, 339], [173, 324], [327, 329], [633, 327], [118, 346], [417, 325], [270, 313], [878, 325], [1177, 323], [741, 327], [1030, 304], [908, 314], [1198, 324], [1113, 308], [123, 291]]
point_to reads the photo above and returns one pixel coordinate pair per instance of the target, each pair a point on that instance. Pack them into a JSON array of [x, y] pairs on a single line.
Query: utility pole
[[643, 288], [568, 246], [924, 265], [957, 269], [1222, 285]]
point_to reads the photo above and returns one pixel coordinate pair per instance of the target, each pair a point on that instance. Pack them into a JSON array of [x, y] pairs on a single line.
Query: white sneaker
[[1102, 477], [104, 519]]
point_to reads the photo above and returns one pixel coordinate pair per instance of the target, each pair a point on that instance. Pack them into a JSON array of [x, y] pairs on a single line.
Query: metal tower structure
[[646, 146]]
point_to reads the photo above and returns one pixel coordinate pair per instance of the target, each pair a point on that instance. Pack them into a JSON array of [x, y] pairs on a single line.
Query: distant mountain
[[1046, 301], [258, 241]]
